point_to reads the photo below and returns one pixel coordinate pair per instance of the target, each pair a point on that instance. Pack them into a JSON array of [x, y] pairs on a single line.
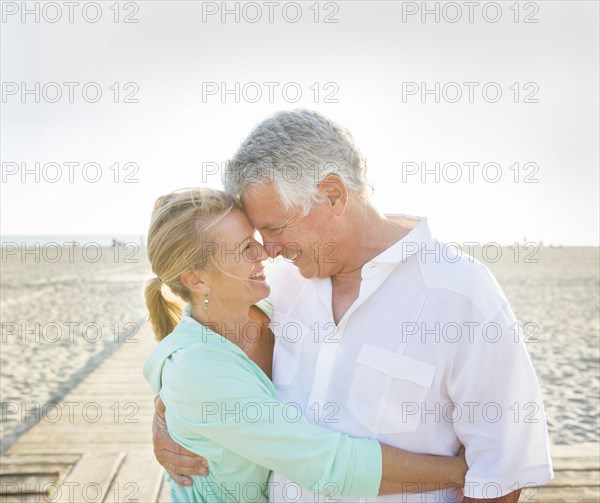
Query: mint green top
[[221, 405]]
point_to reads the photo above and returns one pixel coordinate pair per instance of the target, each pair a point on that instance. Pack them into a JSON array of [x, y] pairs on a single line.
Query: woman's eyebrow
[[272, 227]]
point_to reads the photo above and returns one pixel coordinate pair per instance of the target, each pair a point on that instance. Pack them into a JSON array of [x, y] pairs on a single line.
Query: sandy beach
[[557, 302], [60, 318]]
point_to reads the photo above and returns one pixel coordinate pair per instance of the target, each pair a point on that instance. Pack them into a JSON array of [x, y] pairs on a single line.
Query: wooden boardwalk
[[96, 446], [576, 476]]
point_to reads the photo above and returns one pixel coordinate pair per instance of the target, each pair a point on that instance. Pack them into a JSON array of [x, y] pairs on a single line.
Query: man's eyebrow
[[268, 227]]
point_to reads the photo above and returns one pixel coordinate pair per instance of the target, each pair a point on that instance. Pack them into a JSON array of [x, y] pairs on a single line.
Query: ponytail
[[164, 314]]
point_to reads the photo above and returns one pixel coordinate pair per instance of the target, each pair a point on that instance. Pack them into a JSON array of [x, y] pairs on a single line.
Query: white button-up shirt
[[428, 356]]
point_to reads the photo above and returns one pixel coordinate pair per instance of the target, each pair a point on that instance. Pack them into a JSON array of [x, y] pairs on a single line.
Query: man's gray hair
[[296, 150]]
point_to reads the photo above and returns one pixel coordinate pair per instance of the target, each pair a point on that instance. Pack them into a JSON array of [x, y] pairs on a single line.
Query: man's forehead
[[260, 192], [263, 205]]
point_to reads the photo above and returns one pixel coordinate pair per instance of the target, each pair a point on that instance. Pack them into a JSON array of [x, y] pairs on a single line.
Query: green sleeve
[[218, 398]]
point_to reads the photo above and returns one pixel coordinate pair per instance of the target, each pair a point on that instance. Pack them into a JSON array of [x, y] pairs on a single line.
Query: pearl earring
[[206, 304]]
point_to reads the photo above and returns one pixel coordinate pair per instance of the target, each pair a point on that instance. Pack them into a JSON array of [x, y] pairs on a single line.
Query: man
[[382, 331]]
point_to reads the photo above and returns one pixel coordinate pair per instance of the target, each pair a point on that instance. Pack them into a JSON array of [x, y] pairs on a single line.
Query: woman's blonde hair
[[178, 240]]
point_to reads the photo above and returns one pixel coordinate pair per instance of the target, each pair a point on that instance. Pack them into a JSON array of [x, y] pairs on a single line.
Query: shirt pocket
[[388, 390], [289, 336]]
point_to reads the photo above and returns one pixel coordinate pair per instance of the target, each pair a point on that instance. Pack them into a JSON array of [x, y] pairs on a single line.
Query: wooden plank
[[123, 385], [27, 483], [125, 437], [165, 493], [9, 469], [574, 478], [90, 479], [580, 463], [28, 475], [25, 498], [99, 426], [584, 449], [106, 425], [118, 391], [45, 458], [577, 476], [121, 389], [139, 479], [77, 448], [559, 495], [59, 430]]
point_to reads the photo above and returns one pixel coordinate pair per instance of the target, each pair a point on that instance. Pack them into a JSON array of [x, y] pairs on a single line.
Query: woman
[[213, 364]]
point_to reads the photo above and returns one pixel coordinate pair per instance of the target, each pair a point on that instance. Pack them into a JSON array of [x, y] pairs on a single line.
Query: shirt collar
[[409, 245], [189, 325], [400, 251], [378, 268]]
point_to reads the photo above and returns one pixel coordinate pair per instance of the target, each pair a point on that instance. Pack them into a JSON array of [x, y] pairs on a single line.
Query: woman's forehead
[[234, 225]]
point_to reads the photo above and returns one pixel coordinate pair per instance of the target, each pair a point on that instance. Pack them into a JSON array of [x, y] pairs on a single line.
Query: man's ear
[[336, 192], [195, 281]]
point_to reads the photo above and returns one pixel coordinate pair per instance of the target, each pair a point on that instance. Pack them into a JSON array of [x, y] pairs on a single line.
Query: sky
[[485, 120]]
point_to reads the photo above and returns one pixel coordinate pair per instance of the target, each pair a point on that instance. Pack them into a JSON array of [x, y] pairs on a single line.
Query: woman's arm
[[260, 351], [279, 438], [401, 471]]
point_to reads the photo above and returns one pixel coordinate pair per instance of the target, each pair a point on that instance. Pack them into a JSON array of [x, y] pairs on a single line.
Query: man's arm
[[502, 425], [404, 471], [507, 498], [177, 460]]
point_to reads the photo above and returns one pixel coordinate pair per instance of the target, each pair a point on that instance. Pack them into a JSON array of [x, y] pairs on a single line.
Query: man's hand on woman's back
[[177, 460]]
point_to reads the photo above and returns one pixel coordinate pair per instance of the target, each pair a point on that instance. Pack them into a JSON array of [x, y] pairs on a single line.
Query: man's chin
[[308, 272]]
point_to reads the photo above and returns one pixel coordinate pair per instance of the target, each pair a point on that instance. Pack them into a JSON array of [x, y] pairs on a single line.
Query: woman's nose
[[272, 249], [263, 253]]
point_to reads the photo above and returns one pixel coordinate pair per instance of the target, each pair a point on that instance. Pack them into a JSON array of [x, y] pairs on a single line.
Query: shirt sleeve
[[215, 397], [499, 410]]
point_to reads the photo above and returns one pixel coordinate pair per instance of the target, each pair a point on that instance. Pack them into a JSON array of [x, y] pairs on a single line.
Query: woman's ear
[[195, 281], [335, 190]]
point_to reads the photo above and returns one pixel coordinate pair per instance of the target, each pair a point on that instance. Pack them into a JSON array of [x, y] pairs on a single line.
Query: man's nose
[[273, 248]]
